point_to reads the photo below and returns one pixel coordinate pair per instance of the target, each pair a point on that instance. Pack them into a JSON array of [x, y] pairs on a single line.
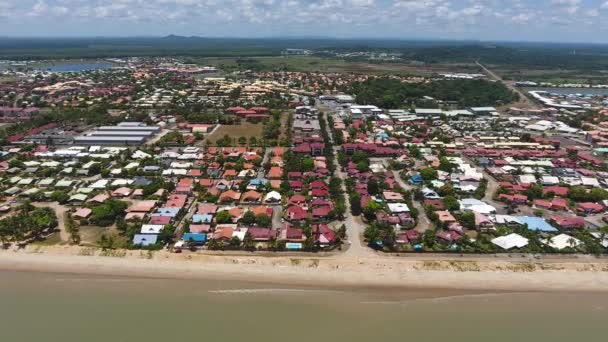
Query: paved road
[[261, 170], [523, 98], [424, 223], [354, 225], [179, 228], [490, 191]]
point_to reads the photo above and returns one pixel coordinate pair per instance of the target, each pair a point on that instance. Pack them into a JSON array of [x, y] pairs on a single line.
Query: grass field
[[245, 129], [322, 64], [553, 76], [53, 239]]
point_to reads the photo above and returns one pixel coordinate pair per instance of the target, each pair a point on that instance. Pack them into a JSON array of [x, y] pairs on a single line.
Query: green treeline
[[392, 93]]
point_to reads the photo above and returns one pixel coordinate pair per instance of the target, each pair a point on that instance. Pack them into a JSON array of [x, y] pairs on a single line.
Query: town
[[156, 153]]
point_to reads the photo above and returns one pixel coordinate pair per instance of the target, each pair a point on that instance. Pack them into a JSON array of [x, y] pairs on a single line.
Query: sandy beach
[[332, 271]]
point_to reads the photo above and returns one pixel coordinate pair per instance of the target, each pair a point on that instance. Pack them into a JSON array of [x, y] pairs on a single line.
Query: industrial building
[[123, 134]]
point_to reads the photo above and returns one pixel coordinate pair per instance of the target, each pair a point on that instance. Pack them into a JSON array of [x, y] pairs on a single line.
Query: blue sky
[[530, 20]]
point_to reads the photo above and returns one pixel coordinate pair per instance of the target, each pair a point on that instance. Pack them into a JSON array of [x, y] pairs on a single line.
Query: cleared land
[[328, 64], [245, 129]]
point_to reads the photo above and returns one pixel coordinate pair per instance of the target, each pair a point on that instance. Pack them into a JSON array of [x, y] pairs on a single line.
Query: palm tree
[[248, 242]]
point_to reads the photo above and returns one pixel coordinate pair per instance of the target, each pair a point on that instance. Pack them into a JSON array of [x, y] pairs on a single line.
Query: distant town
[[162, 154]]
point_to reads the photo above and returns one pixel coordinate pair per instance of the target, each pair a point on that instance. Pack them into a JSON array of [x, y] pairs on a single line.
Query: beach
[[378, 271]]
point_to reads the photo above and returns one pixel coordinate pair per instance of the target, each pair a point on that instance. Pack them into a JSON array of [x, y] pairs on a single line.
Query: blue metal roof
[[202, 218], [536, 223], [145, 239], [197, 237]]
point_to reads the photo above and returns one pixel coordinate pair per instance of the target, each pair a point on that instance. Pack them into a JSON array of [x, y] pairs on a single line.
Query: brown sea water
[[66, 307]]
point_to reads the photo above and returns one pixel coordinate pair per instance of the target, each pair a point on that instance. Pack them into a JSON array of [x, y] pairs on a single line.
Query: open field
[[512, 73], [323, 64], [245, 129]]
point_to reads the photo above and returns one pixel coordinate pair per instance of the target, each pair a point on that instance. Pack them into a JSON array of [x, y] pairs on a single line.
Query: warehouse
[[146, 134], [130, 128], [123, 134], [116, 141]]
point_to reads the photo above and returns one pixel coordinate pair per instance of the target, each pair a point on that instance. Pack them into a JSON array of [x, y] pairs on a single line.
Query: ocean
[[79, 308]]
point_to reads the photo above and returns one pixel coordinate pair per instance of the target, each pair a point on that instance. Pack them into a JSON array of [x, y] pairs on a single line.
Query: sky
[[513, 20]]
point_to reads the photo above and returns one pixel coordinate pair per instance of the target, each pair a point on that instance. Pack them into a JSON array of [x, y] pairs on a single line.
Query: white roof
[[152, 228], [590, 181], [100, 184], [530, 179], [562, 241], [398, 207], [603, 241], [477, 206], [273, 195], [510, 241], [132, 165], [550, 180], [140, 155]]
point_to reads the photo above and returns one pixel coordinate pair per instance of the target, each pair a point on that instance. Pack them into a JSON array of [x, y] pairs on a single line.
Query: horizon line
[[394, 39]]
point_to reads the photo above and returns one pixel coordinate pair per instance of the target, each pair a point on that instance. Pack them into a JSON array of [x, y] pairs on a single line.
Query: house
[[200, 228], [297, 200], [82, 213], [152, 228], [275, 172], [230, 196], [515, 199], [398, 208], [142, 206], [296, 213], [204, 208], [223, 233], [324, 235], [445, 217], [251, 197], [448, 236], [199, 239], [510, 241], [435, 203], [589, 208], [321, 213], [161, 220], [568, 222], [259, 234], [472, 204], [202, 218], [392, 197], [272, 197], [561, 191], [482, 223], [144, 240], [291, 234], [562, 241], [122, 192], [100, 198]]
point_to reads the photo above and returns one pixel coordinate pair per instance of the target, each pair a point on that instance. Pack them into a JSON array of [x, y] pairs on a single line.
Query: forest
[[392, 93]]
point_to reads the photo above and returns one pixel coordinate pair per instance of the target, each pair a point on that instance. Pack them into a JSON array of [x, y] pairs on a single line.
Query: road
[[490, 191], [261, 170], [179, 228], [524, 100], [423, 223], [354, 225]]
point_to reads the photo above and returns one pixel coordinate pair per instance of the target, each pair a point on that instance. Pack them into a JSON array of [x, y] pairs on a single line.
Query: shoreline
[[346, 272]]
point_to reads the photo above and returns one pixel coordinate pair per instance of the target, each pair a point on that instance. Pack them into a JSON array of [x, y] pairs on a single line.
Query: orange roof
[[275, 172]]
